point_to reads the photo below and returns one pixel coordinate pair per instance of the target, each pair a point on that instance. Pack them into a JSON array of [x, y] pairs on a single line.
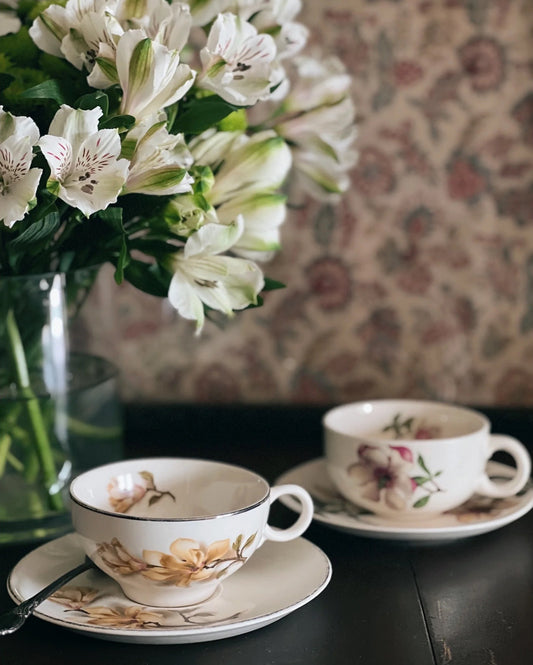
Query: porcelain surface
[[415, 459], [476, 516], [279, 579], [170, 530]]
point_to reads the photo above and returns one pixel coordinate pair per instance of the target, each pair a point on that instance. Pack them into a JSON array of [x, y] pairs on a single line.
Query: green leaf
[[92, 100], [201, 114], [148, 278], [38, 231], [422, 465], [51, 89], [421, 502], [5, 81], [113, 217], [156, 247], [249, 541], [420, 480], [123, 260], [120, 122], [272, 284]]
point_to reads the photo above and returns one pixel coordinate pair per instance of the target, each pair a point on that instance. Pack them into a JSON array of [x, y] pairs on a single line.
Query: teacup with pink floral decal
[[170, 530], [406, 459]]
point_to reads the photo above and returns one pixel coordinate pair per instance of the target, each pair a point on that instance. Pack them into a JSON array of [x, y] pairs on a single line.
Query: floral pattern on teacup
[[410, 427], [328, 501], [188, 561], [385, 475], [122, 497]]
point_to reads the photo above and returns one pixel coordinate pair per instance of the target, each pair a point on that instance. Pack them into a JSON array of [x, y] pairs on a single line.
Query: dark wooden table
[[469, 602]]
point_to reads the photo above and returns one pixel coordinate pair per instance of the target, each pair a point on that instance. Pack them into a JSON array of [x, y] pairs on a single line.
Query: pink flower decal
[[122, 498], [383, 476], [123, 494]]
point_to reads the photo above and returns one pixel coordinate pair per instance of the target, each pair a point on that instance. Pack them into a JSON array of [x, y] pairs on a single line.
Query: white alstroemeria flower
[[237, 61], [96, 31], [263, 213], [86, 171], [202, 276], [322, 145], [318, 123], [186, 213], [248, 175], [149, 74], [318, 82], [212, 146], [276, 17], [205, 11], [18, 181], [161, 21], [55, 22], [9, 21], [159, 160]]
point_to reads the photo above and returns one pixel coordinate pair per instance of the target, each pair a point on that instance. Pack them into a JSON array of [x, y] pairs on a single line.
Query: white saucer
[[476, 516], [278, 579]]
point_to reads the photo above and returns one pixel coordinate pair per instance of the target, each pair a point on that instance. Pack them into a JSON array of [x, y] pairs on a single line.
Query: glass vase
[[59, 410]]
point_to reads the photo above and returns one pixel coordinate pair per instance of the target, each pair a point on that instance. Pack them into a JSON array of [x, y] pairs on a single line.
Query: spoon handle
[[25, 608]]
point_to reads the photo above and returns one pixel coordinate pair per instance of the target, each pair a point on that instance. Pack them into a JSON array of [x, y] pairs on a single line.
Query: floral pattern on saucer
[[477, 516], [278, 579], [82, 601], [328, 501]]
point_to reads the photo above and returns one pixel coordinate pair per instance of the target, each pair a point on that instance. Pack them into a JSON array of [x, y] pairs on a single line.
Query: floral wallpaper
[[419, 283]]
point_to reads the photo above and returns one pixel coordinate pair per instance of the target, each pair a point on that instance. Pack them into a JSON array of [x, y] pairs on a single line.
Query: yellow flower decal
[[189, 561], [124, 617], [116, 557], [74, 597]]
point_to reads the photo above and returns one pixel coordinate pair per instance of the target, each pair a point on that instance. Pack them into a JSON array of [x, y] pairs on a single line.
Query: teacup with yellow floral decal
[[409, 459], [170, 530]]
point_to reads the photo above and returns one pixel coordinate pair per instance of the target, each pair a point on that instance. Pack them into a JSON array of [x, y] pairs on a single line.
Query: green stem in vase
[[33, 410], [5, 445]]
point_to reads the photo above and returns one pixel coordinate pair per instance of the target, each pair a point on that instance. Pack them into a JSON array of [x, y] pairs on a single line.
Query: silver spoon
[[13, 619]]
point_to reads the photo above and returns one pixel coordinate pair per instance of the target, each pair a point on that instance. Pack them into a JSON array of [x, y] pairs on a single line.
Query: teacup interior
[[169, 488], [403, 419]]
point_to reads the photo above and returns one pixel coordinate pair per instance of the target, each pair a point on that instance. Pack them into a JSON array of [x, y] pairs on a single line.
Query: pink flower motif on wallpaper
[[466, 179], [523, 114], [406, 72], [374, 174], [516, 203], [482, 60], [330, 282]]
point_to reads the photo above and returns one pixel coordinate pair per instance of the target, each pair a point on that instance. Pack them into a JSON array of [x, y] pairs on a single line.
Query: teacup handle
[[518, 451], [303, 521]]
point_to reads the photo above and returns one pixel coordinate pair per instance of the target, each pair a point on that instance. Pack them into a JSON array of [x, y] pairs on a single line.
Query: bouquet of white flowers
[[155, 135], [126, 136]]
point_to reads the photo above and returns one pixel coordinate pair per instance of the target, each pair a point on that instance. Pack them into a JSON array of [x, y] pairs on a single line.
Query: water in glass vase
[[81, 427]]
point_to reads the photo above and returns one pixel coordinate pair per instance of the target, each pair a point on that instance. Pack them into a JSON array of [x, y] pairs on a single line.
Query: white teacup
[[170, 530], [407, 459]]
